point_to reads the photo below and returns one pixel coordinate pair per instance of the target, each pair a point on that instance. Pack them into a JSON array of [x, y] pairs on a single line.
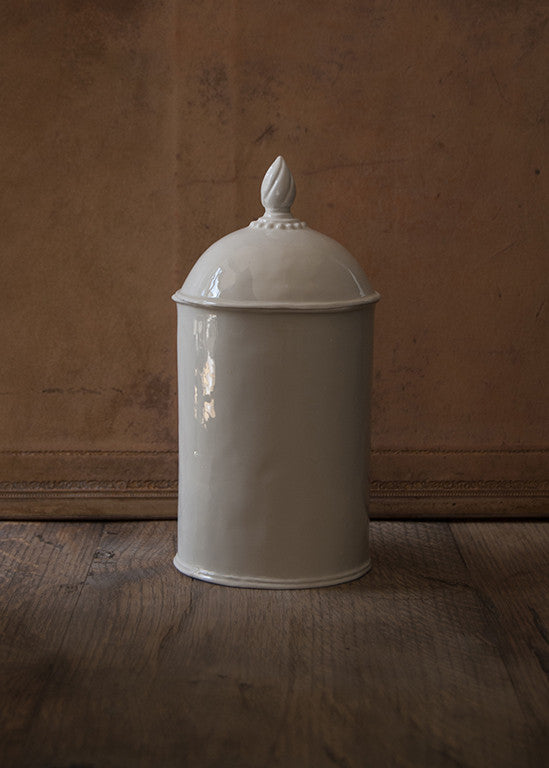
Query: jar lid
[[277, 262]]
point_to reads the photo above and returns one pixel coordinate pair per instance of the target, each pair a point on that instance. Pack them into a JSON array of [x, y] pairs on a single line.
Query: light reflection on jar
[[205, 334]]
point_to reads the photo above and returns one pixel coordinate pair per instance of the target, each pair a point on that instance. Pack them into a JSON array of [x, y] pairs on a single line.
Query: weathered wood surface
[[427, 661], [43, 568], [509, 568]]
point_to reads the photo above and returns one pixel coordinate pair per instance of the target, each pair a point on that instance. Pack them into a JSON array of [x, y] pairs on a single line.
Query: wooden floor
[[110, 658]]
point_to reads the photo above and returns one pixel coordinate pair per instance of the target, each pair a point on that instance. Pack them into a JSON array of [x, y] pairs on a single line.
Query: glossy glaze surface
[[277, 262], [273, 446]]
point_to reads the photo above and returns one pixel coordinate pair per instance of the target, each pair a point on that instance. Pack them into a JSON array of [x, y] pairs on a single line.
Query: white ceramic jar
[[275, 332]]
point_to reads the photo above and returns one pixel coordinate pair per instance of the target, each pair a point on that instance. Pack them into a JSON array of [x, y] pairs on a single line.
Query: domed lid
[[277, 262]]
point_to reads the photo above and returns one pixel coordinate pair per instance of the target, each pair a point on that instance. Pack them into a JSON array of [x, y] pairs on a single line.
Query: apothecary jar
[[275, 333]]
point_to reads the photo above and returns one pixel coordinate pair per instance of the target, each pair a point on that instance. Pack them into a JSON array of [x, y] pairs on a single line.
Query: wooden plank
[[400, 668], [164, 507], [42, 572], [509, 566], [452, 506], [92, 509]]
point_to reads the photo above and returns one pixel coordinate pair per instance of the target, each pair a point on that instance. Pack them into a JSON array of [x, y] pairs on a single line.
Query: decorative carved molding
[[456, 451], [458, 488], [143, 488], [405, 483], [375, 452], [69, 452], [56, 489]]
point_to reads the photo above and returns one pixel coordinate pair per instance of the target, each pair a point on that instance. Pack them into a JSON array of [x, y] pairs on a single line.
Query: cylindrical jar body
[[274, 444]]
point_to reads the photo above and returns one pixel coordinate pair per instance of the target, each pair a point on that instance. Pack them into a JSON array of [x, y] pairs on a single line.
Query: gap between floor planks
[[109, 657]]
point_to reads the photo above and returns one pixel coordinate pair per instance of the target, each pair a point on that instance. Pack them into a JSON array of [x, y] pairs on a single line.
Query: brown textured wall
[[135, 133]]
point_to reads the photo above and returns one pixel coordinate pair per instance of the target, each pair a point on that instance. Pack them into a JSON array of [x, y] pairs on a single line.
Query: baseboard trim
[[379, 489], [157, 499], [405, 483]]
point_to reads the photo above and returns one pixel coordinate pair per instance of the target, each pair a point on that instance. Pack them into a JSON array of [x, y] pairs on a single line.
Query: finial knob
[[278, 188], [277, 196]]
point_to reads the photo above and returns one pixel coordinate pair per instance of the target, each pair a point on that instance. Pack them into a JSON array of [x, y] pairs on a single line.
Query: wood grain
[[509, 568], [43, 567], [405, 667]]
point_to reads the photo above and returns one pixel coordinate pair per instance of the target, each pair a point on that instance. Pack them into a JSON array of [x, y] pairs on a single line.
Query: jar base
[[253, 582]]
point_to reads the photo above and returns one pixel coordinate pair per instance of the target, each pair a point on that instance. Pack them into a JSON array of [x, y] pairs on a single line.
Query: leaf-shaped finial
[[278, 188]]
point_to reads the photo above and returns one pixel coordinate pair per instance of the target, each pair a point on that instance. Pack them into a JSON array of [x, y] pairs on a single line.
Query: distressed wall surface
[[135, 133]]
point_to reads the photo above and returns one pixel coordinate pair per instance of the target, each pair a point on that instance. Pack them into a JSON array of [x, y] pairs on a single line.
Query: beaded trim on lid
[[265, 223]]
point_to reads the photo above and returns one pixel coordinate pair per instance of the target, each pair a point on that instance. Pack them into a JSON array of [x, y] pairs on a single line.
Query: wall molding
[[152, 489], [69, 452], [173, 452], [405, 483]]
